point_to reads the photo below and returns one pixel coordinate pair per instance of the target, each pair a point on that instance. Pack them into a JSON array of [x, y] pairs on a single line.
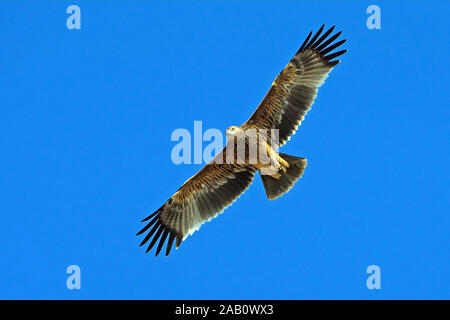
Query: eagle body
[[251, 148]]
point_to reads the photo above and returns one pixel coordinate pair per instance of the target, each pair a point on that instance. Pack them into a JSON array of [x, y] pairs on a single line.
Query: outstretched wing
[[198, 200], [294, 90]]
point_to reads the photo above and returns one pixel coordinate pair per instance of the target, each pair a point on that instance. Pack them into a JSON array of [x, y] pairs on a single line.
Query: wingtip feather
[[324, 44]]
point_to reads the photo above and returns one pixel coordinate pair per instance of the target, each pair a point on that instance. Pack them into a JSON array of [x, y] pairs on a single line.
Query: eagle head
[[233, 130]]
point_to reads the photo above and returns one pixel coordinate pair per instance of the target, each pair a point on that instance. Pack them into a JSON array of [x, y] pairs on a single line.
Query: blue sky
[[86, 118]]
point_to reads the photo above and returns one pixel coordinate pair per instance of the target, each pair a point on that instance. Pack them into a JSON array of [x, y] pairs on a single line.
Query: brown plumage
[[221, 182]]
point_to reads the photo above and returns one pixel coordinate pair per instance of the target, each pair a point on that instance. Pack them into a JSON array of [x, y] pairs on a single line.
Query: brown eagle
[[222, 181]]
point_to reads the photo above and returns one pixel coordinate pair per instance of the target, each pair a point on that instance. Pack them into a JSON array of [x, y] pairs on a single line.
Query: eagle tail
[[276, 187]]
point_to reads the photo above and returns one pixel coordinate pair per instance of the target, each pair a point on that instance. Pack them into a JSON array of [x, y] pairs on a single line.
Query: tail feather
[[276, 187]]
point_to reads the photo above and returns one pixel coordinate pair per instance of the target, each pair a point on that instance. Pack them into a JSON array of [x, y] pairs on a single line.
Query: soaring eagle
[[221, 181]]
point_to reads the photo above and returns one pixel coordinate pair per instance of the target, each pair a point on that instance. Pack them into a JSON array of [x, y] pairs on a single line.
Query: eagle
[[216, 186]]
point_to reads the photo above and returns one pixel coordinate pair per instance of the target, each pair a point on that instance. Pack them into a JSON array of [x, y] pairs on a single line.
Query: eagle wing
[[197, 201], [294, 90]]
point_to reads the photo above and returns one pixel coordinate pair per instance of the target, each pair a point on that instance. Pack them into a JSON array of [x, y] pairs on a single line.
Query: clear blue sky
[[85, 123]]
